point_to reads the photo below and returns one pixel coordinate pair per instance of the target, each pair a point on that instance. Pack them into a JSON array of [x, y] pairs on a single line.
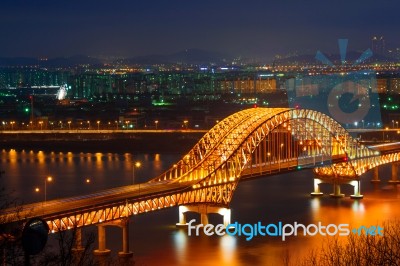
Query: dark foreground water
[[155, 240]]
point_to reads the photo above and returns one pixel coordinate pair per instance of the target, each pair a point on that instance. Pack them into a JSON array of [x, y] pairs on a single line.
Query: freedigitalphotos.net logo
[[282, 230], [345, 90]]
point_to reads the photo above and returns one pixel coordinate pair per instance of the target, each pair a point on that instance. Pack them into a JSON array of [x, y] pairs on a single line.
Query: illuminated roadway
[[116, 195], [121, 194], [253, 142], [98, 199]]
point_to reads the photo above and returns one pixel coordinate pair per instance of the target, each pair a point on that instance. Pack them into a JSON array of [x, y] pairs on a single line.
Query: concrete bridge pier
[[357, 189], [336, 191], [125, 255], [102, 252], [394, 178], [203, 210], [375, 178], [182, 216], [317, 191], [77, 248]]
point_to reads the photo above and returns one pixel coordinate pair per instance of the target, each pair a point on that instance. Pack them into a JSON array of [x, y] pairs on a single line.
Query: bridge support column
[[182, 216], [317, 191], [125, 255], [336, 191], [375, 178], [227, 216], [78, 248], [204, 218], [357, 189], [203, 210], [394, 179], [102, 253]]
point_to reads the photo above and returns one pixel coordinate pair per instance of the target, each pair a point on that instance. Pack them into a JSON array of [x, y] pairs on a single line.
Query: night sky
[[256, 28]]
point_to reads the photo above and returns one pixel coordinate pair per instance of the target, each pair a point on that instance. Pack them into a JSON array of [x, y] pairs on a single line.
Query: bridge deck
[[386, 147], [118, 195], [94, 200]]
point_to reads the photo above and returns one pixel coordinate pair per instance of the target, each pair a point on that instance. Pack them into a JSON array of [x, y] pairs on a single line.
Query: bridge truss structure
[[250, 143]]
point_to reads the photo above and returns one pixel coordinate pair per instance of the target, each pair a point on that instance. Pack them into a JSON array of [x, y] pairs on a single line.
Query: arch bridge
[[248, 144]]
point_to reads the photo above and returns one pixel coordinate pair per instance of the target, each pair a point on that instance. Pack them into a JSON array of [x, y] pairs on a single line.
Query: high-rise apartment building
[[378, 45]]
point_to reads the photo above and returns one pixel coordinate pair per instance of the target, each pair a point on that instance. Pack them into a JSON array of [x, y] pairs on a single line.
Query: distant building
[[382, 85], [248, 84], [394, 86], [28, 77], [378, 45]]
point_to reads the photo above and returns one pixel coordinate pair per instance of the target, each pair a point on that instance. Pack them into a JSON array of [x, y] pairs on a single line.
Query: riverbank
[[101, 141]]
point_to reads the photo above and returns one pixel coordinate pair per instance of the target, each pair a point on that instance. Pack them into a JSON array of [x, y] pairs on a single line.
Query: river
[[155, 240]]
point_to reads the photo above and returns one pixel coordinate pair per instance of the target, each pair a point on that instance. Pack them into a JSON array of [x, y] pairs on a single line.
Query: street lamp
[[116, 122], [98, 125], [12, 125], [392, 123], [41, 125], [88, 124], [69, 125], [279, 157], [48, 179], [383, 133], [156, 122], [397, 124], [185, 122], [136, 164]]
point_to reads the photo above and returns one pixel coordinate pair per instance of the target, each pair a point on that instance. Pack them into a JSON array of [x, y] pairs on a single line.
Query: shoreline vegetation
[[354, 250]]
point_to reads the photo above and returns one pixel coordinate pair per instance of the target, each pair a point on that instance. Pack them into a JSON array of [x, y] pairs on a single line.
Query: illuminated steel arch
[[239, 136], [249, 143]]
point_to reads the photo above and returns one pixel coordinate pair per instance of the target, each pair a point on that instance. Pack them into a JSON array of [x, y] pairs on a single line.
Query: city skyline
[[128, 29]]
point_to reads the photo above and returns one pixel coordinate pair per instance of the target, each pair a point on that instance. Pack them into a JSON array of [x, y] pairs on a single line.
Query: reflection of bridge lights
[[358, 206], [315, 204], [227, 247], [180, 243]]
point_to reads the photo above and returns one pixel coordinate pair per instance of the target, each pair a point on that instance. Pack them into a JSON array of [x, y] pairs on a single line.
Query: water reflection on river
[[154, 238]]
